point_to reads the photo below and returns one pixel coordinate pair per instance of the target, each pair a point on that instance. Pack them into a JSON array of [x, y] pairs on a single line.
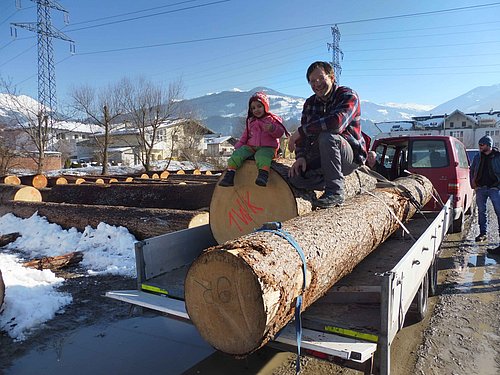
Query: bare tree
[[189, 144], [7, 149], [151, 106], [102, 108], [34, 121]]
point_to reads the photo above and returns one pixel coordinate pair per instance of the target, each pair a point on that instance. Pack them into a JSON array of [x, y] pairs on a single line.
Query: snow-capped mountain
[[480, 99], [12, 107], [225, 112]]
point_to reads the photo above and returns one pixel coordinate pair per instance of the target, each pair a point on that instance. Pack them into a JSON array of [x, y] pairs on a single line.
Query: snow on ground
[[31, 296]]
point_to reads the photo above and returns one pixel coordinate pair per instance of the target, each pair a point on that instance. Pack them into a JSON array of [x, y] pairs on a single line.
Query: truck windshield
[[429, 154]]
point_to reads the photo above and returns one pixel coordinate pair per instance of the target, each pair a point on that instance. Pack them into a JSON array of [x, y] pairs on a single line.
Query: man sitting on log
[[329, 144]]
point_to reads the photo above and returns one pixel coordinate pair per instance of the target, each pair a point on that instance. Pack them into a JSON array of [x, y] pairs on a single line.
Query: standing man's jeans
[[482, 195], [330, 159]]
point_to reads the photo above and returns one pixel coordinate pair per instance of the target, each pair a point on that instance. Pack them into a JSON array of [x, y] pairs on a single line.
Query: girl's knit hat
[[259, 97]]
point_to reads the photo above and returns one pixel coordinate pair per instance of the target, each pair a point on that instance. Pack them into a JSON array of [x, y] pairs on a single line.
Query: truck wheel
[[432, 274], [457, 226], [422, 298]]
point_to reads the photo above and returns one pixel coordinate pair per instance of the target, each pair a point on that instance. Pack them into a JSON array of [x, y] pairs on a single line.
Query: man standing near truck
[[329, 143], [485, 179]]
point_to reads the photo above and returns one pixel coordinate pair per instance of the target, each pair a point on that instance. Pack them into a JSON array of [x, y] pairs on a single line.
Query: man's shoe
[[329, 200], [228, 179], [262, 178], [481, 238], [494, 251]]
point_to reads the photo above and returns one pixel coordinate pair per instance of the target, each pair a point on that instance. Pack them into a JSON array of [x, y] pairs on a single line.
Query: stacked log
[[19, 193], [141, 222], [38, 181], [185, 197], [239, 295], [10, 180], [238, 210]]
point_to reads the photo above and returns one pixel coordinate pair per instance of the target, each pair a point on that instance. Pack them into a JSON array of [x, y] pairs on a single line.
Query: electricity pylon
[[337, 53], [46, 70]]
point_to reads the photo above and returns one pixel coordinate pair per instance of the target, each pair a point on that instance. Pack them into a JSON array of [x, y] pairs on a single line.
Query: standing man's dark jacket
[[492, 162]]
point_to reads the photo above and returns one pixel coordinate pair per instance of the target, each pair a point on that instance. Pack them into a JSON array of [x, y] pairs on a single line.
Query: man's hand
[[298, 167], [293, 140]]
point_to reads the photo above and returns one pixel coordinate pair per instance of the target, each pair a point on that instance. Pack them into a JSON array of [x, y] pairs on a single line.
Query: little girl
[[260, 139]]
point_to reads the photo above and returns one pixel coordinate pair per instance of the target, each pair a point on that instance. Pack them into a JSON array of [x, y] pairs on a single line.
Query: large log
[[182, 197], [238, 210], [240, 294], [141, 222], [19, 193]]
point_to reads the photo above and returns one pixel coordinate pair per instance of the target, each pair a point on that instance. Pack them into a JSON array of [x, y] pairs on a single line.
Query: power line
[[255, 33], [147, 16], [135, 12]]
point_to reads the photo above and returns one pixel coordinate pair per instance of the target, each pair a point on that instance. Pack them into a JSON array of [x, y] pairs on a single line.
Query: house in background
[[219, 145], [467, 128], [181, 139]]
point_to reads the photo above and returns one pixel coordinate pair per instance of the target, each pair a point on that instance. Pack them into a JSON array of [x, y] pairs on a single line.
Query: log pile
[[239, 295]]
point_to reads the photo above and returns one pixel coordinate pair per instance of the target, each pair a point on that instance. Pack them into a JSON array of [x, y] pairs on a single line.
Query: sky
[[421, 52]]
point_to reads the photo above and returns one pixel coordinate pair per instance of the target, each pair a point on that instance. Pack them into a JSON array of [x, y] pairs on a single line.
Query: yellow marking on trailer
[[351, 333], [154, 289]]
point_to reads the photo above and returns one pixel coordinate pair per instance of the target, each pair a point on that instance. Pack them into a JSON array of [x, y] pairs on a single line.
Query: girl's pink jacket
[[256, 135]]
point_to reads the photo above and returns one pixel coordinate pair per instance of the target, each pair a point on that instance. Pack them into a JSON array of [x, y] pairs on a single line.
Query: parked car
[[442, 159], [471, 152]]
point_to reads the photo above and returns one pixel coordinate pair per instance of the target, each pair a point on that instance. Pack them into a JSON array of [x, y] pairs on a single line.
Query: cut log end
[[228, 310], [199, 220], [11, 180], [61, 181], [239, 210], [39, 181], [19, 193]]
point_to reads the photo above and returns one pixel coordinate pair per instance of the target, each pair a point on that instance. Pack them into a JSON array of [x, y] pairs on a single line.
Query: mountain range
[[225, 112]]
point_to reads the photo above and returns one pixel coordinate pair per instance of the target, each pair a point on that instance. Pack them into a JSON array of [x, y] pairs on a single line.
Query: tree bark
[[238, 210], [141, 222], [6, 239], [240, 294], [19, 193], [55, 262], [182, 197]]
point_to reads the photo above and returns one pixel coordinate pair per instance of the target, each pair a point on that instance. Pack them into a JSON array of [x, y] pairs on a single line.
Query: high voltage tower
[[46, 68], [337, 53]]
